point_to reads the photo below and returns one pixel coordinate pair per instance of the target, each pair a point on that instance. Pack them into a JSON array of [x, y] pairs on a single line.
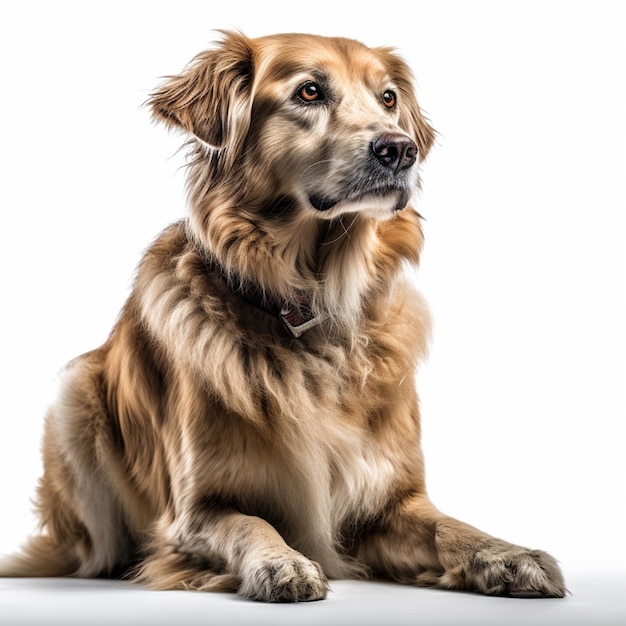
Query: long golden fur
[[204, 446]]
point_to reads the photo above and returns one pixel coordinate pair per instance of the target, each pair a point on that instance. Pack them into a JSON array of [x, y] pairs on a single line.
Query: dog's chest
[[333, 445], [337, 478]]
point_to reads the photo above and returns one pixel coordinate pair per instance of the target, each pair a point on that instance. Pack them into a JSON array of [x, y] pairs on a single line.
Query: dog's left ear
[[412, 119], [211, 98]]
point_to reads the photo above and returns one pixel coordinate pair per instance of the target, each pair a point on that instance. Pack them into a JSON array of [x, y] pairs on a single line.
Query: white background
[[524, 197]]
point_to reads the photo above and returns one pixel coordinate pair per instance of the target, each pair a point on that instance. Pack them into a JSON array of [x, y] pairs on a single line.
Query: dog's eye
[[389, 99], [310, 92]]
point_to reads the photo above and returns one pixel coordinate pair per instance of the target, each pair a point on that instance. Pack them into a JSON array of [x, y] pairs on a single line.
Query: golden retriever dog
[[252, 422]]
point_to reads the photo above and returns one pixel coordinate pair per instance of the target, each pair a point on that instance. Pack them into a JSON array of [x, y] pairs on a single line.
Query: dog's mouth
[[324, 203]]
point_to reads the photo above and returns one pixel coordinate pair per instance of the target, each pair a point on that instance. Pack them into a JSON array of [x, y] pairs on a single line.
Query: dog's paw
[[508, 570], [285, 578]]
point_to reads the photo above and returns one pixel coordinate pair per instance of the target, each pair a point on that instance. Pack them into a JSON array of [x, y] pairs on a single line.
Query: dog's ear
[[412, 119], [211, 98]]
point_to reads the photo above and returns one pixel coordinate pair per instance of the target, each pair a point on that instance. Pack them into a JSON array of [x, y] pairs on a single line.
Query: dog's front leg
[[201, 550], [419, 544]]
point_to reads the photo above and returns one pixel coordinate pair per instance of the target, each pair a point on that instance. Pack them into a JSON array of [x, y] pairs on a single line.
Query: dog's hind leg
[[83, 533], [80, 533]]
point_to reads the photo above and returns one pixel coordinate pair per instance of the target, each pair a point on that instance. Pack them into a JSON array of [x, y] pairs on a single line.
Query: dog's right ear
[[211, 98]]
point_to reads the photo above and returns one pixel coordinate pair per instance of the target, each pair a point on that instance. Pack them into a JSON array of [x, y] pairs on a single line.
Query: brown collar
[[297, 316]]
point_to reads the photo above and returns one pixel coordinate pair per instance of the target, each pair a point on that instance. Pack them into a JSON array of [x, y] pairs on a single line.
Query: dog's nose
[[395, 151]]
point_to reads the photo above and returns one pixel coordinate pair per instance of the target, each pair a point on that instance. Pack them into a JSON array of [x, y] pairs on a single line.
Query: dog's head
[[324, 126]]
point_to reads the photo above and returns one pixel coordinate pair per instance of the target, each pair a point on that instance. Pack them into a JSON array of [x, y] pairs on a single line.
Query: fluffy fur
[[205, 447]]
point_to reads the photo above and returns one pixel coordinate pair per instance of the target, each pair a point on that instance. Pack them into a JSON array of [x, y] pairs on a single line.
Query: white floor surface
[[595, 600]]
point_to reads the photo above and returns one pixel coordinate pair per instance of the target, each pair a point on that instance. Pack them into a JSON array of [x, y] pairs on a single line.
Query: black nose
[[395, 151]]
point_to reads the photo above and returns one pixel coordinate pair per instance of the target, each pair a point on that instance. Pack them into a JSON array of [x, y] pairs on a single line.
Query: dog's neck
[[306, 272]]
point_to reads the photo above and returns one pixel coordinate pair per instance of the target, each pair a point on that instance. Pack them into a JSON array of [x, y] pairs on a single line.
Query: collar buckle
[[296, 323]]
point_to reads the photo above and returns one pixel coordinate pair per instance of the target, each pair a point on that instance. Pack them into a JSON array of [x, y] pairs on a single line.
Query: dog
[[252, 423]]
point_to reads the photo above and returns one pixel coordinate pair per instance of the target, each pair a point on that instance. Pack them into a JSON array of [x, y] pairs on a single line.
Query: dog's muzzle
[[391, 156]]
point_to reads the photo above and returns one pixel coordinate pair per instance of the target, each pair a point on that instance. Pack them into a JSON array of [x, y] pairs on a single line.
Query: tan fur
[[204, 447]]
